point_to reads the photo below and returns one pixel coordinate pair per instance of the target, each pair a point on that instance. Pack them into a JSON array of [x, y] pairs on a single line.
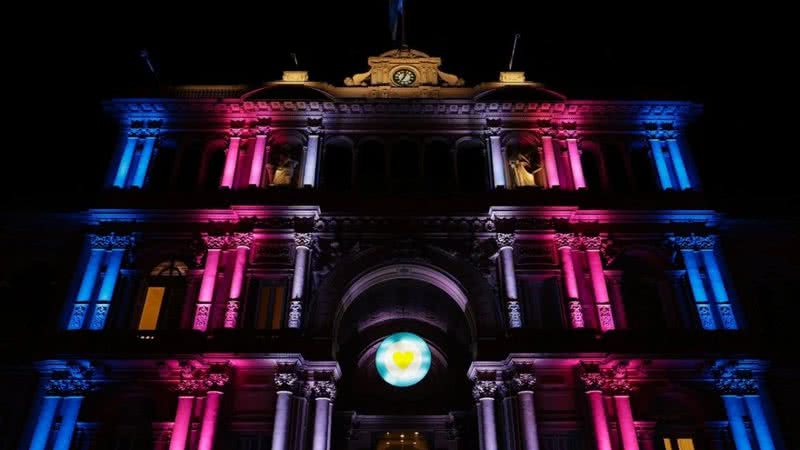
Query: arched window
[[404, 164], [163, 299], [472, 167], [646, 289], [337, 164], [439, 166], [283, 161], [371, 165]]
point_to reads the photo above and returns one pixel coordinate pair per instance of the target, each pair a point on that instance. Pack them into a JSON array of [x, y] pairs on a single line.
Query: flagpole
[[403, 27]]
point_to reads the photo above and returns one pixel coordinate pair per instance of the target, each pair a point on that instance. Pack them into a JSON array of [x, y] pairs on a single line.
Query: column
[[564, 244], [88, 281], [215, 245], [231, 156], [524, 384], [243, 243], [657, 152], [602, 438], [183, 418], [285, 384], [678, 164], [509, 277], [323, 393], [575, 164], [734, 407], [687, 244], [498, 163], [125, 161], [627, 429], [550, 165], [144, 161], [107, 286], [310, 171], [208, 427], [484, 393], [759, 421], [70, 408], [257, 164], [303, 243], [599, 287], [718, 286], [44, 423]]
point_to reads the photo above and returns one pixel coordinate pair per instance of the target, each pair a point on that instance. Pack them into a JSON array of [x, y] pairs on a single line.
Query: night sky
[[723, 58]]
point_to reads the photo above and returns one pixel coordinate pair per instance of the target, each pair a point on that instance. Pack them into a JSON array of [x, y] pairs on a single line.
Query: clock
[[404, 77]]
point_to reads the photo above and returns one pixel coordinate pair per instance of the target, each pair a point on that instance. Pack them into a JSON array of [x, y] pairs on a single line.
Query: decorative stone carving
[[514, 314], [286, 381], [191, 381], [617, 381], [231, 313], [111, 241], [486, 389], [321, 389], [730, 379], [706, 316], [217, 376], [216, 242], [589, 242], [505, 239], [694, 242], [314, 125], [78, 316], [727, 317], [242, 240], [591, 377], [611, 381], [426, 69], [660, 130], [524, 381], [99, 316], [576, 313], [262, 126], [606, 316], [304, 240], [201, 316], [295, 313], [564, 240], [75, 380]]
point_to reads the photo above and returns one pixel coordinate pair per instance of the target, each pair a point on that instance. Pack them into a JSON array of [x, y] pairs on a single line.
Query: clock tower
[[404, 68]]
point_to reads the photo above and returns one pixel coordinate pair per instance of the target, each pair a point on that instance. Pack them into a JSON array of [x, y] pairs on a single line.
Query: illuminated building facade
[[400, 262]]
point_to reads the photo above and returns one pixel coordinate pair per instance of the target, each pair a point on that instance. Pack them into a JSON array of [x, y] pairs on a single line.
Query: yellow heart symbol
[[403, 359]]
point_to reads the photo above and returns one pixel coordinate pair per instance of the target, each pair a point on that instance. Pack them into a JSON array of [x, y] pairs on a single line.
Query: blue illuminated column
[[144, 161], [734, 407], [498, 163], [707, 318], [718, 287], [505, 241], [759, 421], [125, 161], [678, 164], [70, 408], [44, 423], [312, 152], [86, 289], [106, 293], [657, 151]]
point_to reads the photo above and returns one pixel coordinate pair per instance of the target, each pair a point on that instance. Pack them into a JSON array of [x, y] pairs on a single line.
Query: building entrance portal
[[412, 432]]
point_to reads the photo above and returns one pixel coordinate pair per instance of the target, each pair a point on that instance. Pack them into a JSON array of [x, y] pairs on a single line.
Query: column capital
[[111, 241], [242, 239], [191, 380], [314, 125], [304, 240], [564, 240], [262, 126], [588, 242], [694, 242], [659, 130], [321, 389], [612, 381], [523, 381], [494, 126], [487, 389], [217, 242], [217, 376], [145, 129], [731, 379], [505, 239], [75, 380]]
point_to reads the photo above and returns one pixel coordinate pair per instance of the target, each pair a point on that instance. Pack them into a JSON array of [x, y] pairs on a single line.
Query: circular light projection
[[403, 359]]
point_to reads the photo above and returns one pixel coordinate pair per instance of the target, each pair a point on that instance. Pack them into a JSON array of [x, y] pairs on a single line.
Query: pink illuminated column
[[243, 243], [505, 241], [303, 243], [484, 393], [209, 425], [601, 436], [564, 243], [231, 158], [627, 429], [323, 393], [575, 163], [215, 245], [599, 287], [259, 152], [183, 418], [550, 165]]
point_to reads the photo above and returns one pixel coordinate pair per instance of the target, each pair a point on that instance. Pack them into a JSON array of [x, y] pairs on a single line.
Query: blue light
[[125, 162], [403, 359]]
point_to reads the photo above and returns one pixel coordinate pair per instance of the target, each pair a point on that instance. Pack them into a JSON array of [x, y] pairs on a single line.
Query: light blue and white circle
[[403, 359]]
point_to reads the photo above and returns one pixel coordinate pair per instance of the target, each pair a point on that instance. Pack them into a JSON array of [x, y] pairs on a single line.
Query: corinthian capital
[[733, 380], [111, 241], [486, 388], [217, 242], [505, 239], [524, 381], [243, 239], [75, 380], [694, 242], [218, 376], [589, 242], [564, 240], [304, 239], [321, 389]]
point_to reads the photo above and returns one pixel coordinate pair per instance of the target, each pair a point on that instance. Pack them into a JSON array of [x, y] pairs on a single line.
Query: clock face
[[404, 77]]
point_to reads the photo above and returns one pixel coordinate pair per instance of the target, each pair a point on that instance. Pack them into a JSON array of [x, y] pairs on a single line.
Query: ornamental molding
[[197, 380], [694, 242], [578, 241], [111, 241], [314, 125], [505, 239], [523, 381], [613, 381], [660, 130], [307, 240], [731, 379], [144, 128], [487, 389], [563, 240], [217, 242], [242, 239], [321, 389], [75, 380]]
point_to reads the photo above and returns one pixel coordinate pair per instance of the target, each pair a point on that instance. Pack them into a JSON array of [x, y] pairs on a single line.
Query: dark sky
[[728, 58]]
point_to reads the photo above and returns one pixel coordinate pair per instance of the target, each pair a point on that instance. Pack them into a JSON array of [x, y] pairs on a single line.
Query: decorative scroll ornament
[[576, 313], [321, 389], [74, 381], [732, 380], [486, 389], [606, 316], [589, 242], [242, 240], [617, 381], [217, 242], [231, 313], [505, 239], [217, 376], [694, 242], [111, 241], [191, 380], [523, 382], [611, 381], [591, 377], [295, 313], [564, 240], [660, 130], [514, 314], [201, 316], [304, 240]]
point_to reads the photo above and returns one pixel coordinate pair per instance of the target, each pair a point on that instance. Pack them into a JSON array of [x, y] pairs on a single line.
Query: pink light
[[626, 427], [180, 428], [257, 166], [238, 272], [230, 162], [599, 419], [550, 162], [599, 287], [209, 276], [575, 164], [570, 282], [209, 426]]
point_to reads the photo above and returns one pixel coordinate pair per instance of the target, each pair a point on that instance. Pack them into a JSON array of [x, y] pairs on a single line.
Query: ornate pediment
[[404, 68]]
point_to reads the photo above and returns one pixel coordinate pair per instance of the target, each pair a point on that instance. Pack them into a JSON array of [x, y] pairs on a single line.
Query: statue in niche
[[525, 168], [282, 170]]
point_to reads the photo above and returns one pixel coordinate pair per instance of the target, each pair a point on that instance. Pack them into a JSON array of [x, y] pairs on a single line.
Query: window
[[152, 308], [269, 307], [678, 444], [163, 298]]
